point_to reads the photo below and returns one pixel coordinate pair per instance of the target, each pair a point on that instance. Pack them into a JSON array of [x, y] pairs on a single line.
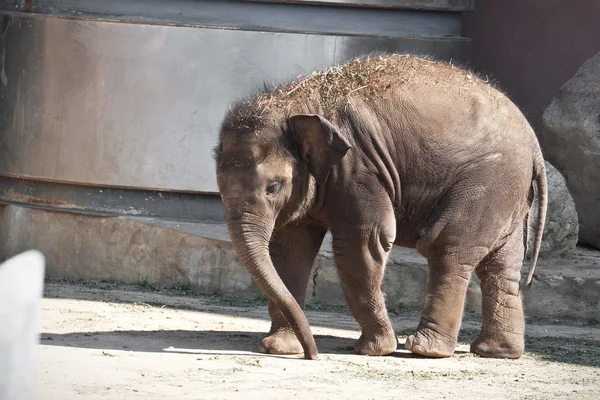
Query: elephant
[[383, 150]]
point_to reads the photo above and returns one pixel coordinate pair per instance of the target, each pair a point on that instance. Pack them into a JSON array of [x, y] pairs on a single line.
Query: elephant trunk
[[250, 236]]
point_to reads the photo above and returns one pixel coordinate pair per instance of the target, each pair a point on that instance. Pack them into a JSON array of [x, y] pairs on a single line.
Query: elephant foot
[[282, 341], [499, 348], [429, 343], [381, 344]]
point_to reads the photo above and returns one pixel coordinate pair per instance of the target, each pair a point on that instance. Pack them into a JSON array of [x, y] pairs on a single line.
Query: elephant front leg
[[293, 250], [361, 257]]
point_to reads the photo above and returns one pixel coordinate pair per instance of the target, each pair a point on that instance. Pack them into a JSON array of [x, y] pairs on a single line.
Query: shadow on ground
[[191, 342], [555, 349], [579, 352], [564, 349]]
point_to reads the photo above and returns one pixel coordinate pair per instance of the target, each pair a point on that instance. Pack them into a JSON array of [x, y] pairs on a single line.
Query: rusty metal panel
[[139, 105], [111, 201], [129, 95], [441, 5], [255, 16], [105, 6]]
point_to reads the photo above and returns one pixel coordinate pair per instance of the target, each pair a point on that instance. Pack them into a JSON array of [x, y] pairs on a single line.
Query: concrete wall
[[532, 47], [201, 257]]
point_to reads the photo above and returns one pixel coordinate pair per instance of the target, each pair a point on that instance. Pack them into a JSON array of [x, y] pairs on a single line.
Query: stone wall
[[200, 256]]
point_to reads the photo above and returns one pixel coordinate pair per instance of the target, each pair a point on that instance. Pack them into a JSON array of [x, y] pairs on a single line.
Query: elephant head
[[268, 169]]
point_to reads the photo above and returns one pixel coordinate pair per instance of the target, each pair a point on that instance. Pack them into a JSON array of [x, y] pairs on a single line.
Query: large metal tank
[[112, 107]]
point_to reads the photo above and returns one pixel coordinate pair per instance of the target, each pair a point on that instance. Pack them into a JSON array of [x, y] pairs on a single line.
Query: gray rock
[[562, 227], [571, 129]]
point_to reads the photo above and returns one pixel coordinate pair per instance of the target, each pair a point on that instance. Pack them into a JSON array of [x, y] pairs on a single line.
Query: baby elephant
[[382, 151]]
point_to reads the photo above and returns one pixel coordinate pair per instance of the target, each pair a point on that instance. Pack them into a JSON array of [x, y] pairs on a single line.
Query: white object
[[21, 289]]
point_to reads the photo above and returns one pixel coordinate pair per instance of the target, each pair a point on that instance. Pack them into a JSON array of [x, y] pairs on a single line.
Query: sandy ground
[[128, 343]]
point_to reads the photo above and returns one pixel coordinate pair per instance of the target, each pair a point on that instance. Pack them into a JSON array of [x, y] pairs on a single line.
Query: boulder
[[562, 227], [571, 131]]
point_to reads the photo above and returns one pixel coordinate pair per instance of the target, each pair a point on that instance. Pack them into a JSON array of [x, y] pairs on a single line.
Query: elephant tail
[[539, 172]]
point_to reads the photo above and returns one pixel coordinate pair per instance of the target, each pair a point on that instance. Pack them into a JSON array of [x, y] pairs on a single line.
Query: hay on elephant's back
[[362, 77], [325, 90]]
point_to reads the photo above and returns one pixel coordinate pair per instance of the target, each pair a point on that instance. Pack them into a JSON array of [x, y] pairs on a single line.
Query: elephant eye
[[273, 188]]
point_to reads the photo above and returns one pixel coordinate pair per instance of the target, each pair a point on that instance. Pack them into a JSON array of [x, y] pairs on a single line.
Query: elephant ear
[[321, 143]]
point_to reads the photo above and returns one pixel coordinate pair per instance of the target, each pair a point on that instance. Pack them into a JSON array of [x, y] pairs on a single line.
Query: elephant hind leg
[[447, 283], [503, 323]]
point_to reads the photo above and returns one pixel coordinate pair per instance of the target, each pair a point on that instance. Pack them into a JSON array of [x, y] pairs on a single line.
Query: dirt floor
[[106, 341]]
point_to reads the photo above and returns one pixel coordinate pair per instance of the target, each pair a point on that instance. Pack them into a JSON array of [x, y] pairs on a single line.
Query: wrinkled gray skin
[[422, 155]]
